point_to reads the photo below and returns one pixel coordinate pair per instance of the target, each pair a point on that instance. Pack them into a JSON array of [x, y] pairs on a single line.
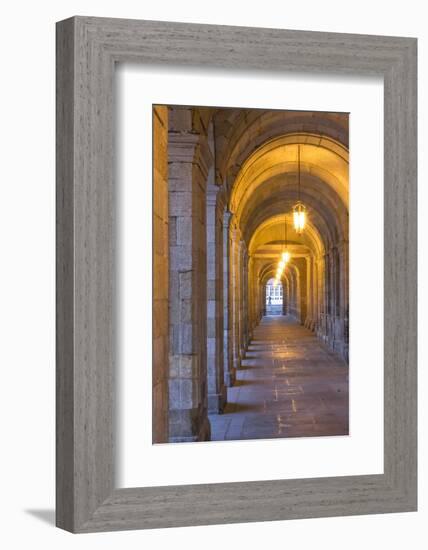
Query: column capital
[[236, 231], [182, 146], [221, 200], [212, 192], [203, 156], [227, 216], [190, 147], [219, 179]]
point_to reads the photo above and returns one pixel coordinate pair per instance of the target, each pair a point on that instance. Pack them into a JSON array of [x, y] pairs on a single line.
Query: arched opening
[[274, 297]]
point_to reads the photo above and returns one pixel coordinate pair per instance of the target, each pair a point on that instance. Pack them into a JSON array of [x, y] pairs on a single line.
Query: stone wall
[[160, 276]]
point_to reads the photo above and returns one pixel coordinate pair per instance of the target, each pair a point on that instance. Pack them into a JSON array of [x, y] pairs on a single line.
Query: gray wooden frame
[[87, 50]]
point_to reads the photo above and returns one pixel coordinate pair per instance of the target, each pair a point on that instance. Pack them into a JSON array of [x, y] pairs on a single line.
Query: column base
[[230, 378], [217, 401], [187, 425]]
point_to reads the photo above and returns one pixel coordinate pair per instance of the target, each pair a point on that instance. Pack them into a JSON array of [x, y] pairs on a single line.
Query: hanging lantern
[[299, 209], [299, 217]]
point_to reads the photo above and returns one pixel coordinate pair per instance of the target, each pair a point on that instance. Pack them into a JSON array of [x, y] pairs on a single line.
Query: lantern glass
[[299, 217]]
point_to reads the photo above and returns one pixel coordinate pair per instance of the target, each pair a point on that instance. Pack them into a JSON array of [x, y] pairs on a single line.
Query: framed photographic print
[[236, 274]]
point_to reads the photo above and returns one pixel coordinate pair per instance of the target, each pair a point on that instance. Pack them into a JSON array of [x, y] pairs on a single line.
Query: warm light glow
[[299, 217], [285, 257]]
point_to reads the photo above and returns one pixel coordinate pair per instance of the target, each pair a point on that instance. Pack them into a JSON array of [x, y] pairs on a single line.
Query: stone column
[[216, 386], [235, 294], [229, 372], [326, 297], [251, 298], [315, 284], [302, 285], [189, 160], [344, 295], [264, 296], [309, 292], [244, 300], [322, 292], [332, 297], [291, 296], [336, 337], [284, 296]]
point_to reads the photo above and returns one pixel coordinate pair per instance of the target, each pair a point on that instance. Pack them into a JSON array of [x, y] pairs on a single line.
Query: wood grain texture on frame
[[87, 50]]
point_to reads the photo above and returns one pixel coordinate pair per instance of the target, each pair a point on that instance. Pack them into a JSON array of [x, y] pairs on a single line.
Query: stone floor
[[289, 385]]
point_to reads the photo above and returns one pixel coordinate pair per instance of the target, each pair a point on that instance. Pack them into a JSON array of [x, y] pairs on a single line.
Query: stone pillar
[[309, 323], [301, 277], [251, 298], [318, 295], [336, 337], [326, 298], [189, 160], [315, 283], [344, 295], [247, 312], [264, 296], [229, 372], [243, 313], [235, 284], [284, 296], [216, 386], [332, 298], [160, 371], [240, 296], [263, 293], [295, 294], [291, 304]]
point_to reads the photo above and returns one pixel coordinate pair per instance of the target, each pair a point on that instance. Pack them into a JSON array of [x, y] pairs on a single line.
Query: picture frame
[[87, 50]]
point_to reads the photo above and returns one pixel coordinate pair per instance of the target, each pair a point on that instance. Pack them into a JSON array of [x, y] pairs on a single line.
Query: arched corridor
[[226, 186]]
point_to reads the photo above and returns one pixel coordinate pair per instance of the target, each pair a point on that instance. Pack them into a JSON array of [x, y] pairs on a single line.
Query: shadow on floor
[[43, 514], [239, 383], [242, 408]]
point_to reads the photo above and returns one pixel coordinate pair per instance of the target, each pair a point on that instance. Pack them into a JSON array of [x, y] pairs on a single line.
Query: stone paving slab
[[289, 385]]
